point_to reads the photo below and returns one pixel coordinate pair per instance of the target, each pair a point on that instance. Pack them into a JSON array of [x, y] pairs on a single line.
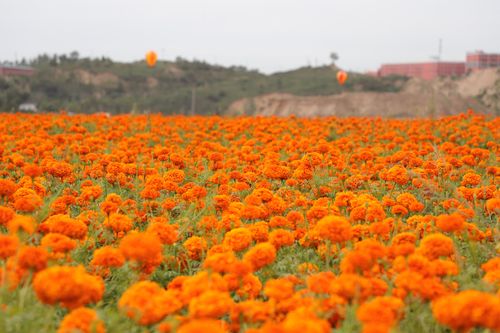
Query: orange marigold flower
[[279, 289], [58, 243], [491, 265], [88, 217], [335, 229], [307, 268], [219, 248], [380, 312], [450, 223], [240, 268], [6, 214], [8, 246], [468, 309], [342, 199], [220, 262], [65, 225], [444, 267], [399, 210], [107, 256], [404, 238], [473, 232], [471, 179], [207, 223], [492, 277], [203, 325], [398, 174], [375, 212], [221, 202], [195, 285], [493, 206], [436, 245], [119, 222], [113, 201], [150, 193], [373, 247], [485, 192], [409, 201], [195, 246], [60, 169], [168, 233], [260, 255], [228, 221], [176, 176], [295, 218], [22, 222], [276, 171], [7, 187], [381, 228], [250, 286], [276, 205], [305, 320], [281, 237], [351, 286], [356, 260], [210, 304], [253, 212], [259, 231], [278, 221], [71, 286], [143, 247], [148, 303], [253, 311], [32, 257], [238, 239], [26, 200], [83, 320]]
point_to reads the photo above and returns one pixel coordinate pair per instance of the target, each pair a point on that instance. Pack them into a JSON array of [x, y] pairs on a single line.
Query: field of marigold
[[211, 224]]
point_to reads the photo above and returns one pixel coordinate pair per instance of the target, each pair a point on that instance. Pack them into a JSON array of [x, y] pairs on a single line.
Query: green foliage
[[25, 313]]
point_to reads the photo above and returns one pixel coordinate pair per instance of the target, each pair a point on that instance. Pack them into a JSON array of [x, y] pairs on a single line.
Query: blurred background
[[403, 58]]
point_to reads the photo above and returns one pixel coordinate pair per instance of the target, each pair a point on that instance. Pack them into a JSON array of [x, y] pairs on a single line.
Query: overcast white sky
[[269, 35]]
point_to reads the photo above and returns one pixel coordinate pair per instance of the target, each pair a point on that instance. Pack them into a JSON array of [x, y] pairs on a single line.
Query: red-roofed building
[[426, 70], [430, 70], [15, 70], [479, 60]]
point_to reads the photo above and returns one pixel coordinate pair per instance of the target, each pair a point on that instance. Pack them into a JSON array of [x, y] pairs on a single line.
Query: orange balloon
[[151, 58], [341, 77]]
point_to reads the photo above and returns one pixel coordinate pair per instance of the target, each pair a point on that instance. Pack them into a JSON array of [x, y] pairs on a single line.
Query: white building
[[28, 107]]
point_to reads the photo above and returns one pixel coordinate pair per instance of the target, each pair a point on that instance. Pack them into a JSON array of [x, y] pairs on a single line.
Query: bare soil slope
[[418, 98]]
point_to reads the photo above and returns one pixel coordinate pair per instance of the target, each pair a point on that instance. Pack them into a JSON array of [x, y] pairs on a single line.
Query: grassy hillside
[[91, 85]]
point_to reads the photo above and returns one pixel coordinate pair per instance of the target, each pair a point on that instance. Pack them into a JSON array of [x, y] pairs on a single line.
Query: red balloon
[[341, 77], [151, 58]]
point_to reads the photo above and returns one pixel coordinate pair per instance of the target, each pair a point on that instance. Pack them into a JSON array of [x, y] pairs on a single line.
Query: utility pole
[[193, 101], [440, 49], [433, 108]]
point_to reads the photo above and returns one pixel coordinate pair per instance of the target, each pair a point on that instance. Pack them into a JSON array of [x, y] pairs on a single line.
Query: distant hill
[[416, 98], [92, 85]]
